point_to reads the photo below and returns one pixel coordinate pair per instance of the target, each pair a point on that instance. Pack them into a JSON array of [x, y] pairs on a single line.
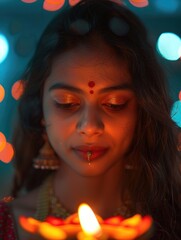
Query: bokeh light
[[139, 3], [2, 141], [28, 1], [17, 89], [73, 2], [168, 46], [176, 112], [4, 48], [25, 44], [179, 52], [7, 153], [179, 95], [2, 93], [169, 6], [53, 5]]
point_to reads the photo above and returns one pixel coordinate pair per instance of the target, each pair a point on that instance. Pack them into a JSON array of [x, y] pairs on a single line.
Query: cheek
[[124, 127], [57, 127]]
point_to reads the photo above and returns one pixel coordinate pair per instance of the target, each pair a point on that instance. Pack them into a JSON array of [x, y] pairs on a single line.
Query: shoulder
[[7, 228], [26, 204]]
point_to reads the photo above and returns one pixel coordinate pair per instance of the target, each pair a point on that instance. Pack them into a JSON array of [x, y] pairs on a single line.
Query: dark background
[[22, 23]]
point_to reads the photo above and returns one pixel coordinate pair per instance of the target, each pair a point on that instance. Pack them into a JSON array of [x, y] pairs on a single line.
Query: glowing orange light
[[51, 232], [29, 224], [55, 1], [139, 3], [87, 226], [7, 153], [2, 93], [179, 95], [73, 2], [114, 220], [28, 1], [90, 227], [53, 5], [54, 221], [17, 89], [2, 141], [133, 221]]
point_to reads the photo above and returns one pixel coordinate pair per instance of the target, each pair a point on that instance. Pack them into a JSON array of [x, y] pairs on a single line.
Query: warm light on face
[[88, 220]]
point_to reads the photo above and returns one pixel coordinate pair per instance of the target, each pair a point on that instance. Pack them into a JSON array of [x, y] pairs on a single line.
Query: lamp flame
[[88, 221]]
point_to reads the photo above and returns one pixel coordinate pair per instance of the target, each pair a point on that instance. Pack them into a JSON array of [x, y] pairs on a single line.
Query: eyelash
[[66, 106], [72, 106], [115, 107]]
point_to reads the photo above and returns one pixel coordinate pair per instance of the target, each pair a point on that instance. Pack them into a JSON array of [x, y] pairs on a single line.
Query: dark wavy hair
[[153, 180]]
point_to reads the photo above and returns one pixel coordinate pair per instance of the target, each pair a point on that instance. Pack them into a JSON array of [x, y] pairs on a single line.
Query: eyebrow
[[63, 86]]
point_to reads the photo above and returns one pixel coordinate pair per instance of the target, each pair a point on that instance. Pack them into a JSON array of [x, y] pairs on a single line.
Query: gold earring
[[46, 160]]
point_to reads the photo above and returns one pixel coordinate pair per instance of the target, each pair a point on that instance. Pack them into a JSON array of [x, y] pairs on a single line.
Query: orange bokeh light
[[7, 153], [2, 141], [58, 2], [179, 95], [139, 3], [29, 224], [28, 1], [53, 5], [73, 2], [17, 89], [2, 93]]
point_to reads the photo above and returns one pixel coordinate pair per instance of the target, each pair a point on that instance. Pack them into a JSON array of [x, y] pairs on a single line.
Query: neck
[[102, 193]]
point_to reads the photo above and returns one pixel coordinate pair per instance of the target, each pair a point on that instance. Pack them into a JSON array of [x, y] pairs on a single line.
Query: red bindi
[[91, 84]]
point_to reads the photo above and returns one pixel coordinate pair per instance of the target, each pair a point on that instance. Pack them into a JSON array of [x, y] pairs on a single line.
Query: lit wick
[[89, 154]]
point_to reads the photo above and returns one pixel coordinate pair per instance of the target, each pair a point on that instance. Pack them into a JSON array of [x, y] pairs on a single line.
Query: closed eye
[[66, 106], [115, 107]]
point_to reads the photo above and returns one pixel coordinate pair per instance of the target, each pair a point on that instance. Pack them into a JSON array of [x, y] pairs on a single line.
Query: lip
[[96, 151]]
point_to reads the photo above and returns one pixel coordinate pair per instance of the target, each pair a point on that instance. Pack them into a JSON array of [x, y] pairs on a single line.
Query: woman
[[95, 123]]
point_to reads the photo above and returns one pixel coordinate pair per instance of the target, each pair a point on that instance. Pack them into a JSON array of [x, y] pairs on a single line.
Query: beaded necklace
[[48, 204]]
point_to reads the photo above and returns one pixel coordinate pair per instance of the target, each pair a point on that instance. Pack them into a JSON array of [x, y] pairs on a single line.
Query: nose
[[90, 123]]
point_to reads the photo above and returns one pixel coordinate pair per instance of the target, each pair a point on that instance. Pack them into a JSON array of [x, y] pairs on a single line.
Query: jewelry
[[91, 84], [49, 205], [89, 154], [7, 199], [46, 158]]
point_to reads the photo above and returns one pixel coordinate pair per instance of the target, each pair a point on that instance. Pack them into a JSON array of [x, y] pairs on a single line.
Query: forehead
[[89, 63]]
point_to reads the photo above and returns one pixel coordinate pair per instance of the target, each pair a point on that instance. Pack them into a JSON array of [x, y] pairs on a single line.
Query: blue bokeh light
[[4, 48], [168, 46], [176, 112], [169, 6]]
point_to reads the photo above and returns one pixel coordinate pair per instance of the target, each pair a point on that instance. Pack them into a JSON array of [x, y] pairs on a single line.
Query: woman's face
[[90, 110]]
